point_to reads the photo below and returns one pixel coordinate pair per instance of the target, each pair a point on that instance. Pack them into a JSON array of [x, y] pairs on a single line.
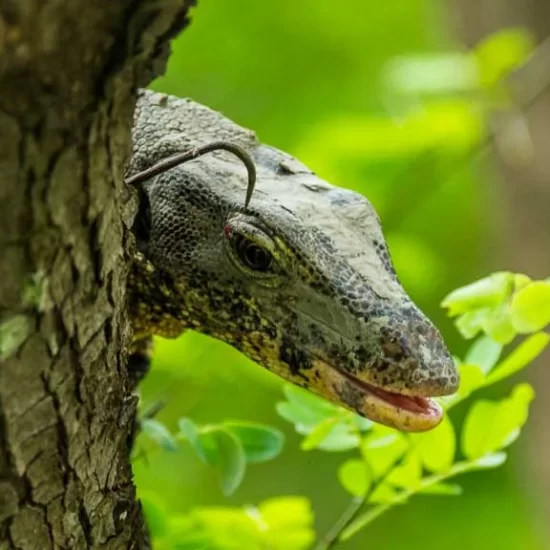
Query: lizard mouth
[[411, 413], [413, 404]]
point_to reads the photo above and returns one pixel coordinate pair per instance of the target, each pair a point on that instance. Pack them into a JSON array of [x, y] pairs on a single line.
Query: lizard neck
[[155, 305]]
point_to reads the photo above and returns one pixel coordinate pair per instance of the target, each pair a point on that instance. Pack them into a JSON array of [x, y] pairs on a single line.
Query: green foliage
[[502, 306], [501, 53], [394, 466], [227, 447], [491, 426], [158, 433], [355, 477], [260, 442], [401, 131], [326, 426], [390, 467], [530, 307], [226, 453], [282, 523], [436, 448]]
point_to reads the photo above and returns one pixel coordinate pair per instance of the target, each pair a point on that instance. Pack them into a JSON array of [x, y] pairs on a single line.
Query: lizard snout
[[411, 357]]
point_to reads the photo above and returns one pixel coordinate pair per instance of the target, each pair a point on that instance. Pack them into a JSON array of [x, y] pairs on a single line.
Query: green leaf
[[469, 324], [441, 488], [287, 510], [190, 432], [343, 437], [498, 325], [310, 401], [155, 514], [530, 307], [382, 448], [431, 74], [484, 353], [382, 494], [332, 434], [229, 458], [354, 476], [303, 419], [282, 523], [486, 292], [225, 528], [489, 461], [502, 52], [437, 447], [361, 423], [521, 281], [406, 475], [327, 426], [494, 321], [304, 409], [260, 442], [159, 433], [319, 433], [471, 378], [286, 523], [185, 533], [492, 425], [218, 447], [522, 356], [478, 426]]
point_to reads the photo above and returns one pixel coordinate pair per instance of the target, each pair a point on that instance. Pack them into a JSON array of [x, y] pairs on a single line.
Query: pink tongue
[[407, 402]]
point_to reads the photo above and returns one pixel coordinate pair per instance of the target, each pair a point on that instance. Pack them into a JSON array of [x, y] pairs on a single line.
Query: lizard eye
[[252, 250], [252, 255]]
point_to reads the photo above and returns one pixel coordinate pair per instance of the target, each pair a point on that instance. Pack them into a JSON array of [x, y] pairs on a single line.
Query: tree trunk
[[69, 72]]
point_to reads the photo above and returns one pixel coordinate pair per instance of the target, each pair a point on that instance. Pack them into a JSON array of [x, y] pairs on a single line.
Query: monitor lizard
[[299, 278]]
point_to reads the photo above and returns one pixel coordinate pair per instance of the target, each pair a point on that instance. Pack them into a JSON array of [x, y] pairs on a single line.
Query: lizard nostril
[[392, 350]]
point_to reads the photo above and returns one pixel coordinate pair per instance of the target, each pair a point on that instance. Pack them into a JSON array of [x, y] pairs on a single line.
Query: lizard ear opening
[[142, 222]]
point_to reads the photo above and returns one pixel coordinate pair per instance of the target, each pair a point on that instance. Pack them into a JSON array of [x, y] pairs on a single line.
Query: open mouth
[[403, 412], [411, 403]]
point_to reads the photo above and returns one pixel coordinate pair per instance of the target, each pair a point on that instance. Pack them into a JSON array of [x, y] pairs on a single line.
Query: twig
[[350, 513], [180, 158]]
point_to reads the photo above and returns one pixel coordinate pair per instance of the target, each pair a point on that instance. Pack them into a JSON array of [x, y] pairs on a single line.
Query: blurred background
[[379, 97]]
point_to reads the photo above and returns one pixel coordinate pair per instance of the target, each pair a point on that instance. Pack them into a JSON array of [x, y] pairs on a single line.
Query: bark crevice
[[69, 74]]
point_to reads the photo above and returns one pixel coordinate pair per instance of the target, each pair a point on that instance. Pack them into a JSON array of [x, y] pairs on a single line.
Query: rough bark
[[69, 72], [524, 195]]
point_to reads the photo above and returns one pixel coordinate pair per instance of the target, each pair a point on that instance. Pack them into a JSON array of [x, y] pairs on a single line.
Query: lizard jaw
[[408, 413], [425, 408]]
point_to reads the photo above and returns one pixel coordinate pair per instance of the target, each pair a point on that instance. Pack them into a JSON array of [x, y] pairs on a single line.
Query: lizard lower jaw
[[424, 407], [403, 412]]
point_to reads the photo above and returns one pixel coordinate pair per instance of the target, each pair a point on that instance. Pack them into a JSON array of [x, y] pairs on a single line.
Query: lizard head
[[301, 281]]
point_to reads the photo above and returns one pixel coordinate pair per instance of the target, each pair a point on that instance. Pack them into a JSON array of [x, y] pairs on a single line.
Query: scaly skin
[[320, 305]]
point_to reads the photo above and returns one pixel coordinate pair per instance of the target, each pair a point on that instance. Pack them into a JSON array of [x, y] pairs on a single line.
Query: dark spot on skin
[[363, 355], [393, 350], [296, 359], [351, 395], [316, 335]]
